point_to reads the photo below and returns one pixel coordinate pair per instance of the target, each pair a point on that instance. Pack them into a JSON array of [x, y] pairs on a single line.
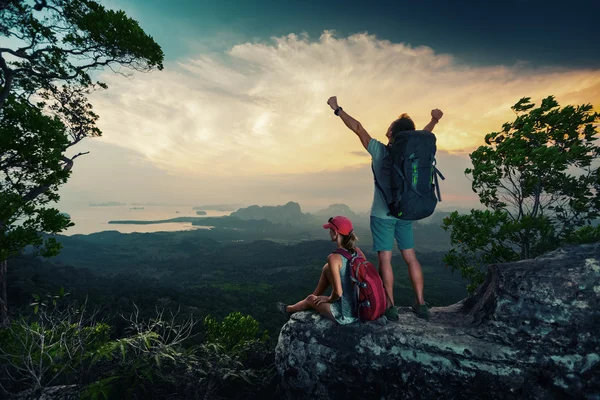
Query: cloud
[[261, 108], [252, 125]]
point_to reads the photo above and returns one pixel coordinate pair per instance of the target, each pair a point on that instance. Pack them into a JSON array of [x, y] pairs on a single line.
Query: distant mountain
[[219, 207], [461, 210], [108, 204], [289, 213], [336, 209], [438, 216]]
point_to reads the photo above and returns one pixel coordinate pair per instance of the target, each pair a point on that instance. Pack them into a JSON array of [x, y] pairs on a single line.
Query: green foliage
[[31, 146], [60, 345], [35, 137], [101, 389], [153, 362], [69, 38], [44, 85], [583, 235], [234, 332], [144, 357], [480, 238], [537, 180], [52, 300], [51, 346]]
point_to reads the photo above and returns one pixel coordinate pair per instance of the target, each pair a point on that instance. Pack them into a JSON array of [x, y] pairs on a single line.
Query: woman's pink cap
[[339, 224]]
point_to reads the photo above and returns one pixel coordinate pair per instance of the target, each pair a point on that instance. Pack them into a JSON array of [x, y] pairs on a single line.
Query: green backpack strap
[[437, 184]]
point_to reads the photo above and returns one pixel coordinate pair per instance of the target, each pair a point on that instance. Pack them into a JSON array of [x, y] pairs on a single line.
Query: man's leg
[[415, 273], [387, 274], [404, 236], [383, 242]]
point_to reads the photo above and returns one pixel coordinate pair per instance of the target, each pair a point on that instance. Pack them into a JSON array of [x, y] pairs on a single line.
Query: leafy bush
[[234, 332], [50, 347], [152, 362], [59, 344], [586, 234]]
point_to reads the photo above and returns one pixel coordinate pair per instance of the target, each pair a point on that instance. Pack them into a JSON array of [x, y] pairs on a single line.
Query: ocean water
[[89, 219]]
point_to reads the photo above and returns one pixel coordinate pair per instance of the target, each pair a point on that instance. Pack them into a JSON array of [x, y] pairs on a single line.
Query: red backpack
[[368, 287]]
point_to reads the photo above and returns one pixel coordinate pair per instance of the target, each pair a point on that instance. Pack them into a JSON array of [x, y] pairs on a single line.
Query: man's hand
[[322, 299], [436, 114], [435, 118], [333, 102]]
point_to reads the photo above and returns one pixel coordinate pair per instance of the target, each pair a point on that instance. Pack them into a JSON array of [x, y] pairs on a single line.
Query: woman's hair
[[349, 241], [403, 123]]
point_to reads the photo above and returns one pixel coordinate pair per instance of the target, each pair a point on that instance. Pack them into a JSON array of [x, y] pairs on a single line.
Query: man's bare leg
[[387, 274], [415, 273]]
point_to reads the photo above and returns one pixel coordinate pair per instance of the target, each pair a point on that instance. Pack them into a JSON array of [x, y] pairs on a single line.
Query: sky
[[239, 113]]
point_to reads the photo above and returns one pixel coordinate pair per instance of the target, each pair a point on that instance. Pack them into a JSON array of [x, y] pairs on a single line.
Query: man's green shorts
[[385, 230]]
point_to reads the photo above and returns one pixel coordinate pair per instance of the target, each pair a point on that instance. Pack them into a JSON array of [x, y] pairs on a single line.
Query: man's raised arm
[[436, 115], [350, 122]]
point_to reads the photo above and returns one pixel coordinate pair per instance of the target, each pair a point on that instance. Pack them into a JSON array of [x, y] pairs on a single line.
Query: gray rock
[[68, 392], [530, 331]]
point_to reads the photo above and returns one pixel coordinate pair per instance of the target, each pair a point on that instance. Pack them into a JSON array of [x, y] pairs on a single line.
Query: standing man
[[385, 228]]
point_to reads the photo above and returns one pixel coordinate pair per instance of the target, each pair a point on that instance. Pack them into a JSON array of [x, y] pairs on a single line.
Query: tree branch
[[42, 189], [75, 74], [517, 196], [79, 154], [78, 139], [19, 53], [8, 78]]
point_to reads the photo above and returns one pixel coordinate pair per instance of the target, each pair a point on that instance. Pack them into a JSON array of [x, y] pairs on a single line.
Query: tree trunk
[[3, 298]]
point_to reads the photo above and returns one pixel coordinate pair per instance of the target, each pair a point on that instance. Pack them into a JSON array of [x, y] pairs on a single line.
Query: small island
[[108, 204], [200, 212], [219, 207], [161, 221], [209, 222]]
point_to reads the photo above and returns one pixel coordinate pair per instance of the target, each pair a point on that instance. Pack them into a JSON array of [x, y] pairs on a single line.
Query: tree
[[44, 84], [538, 183]]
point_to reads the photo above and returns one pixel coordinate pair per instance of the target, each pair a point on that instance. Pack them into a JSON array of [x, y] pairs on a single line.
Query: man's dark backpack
[[408, 178]]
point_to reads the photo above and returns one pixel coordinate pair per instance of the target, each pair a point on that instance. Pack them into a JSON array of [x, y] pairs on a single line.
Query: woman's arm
[[335, 264]]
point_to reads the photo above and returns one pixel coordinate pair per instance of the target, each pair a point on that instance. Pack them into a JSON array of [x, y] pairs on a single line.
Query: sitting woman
[[340, 306]]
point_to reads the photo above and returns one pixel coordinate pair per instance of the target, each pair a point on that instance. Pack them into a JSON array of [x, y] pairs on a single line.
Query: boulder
[[531, 331]]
